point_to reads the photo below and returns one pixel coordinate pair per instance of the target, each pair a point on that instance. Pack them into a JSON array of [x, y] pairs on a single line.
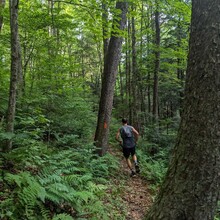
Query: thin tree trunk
[[121, 86], [105, 30], [149, 93], [192, 184], [130, 106], [149, 14], [15, 65], [108, 83], [142, 90], [157, 62], [134, 72], [180, 72]]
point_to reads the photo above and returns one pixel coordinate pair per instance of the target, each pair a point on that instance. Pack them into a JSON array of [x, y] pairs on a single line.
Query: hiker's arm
[[136, 134], [117, 136]]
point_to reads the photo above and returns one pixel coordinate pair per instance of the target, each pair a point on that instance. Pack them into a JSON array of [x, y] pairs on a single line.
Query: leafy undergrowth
[[38, 182]]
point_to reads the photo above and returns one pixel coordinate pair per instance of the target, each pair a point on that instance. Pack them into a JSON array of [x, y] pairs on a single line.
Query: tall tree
[[105, 29], [109, 79], [157, 60], [192, 184], [15, 68], [135, 73]]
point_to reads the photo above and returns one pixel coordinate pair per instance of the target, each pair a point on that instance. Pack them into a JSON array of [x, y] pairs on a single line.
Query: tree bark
[[191, 187], [109, 79], [15, 69]]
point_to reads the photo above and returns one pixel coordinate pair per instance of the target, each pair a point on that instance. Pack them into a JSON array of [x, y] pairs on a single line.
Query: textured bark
[[108, 83], [191, 187], [15, 68], [2, 5]]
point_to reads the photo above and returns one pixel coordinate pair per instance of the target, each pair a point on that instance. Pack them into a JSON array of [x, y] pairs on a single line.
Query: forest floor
[[136, 195]]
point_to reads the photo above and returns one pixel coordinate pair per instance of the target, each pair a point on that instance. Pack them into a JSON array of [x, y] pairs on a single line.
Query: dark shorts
[[128, 151]]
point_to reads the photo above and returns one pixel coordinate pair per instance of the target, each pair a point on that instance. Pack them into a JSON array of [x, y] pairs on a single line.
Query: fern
[[62, 217], [66, 178], [45, 213]]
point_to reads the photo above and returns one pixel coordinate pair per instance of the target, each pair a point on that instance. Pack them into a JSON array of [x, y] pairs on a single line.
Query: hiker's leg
[[129, 163], [133, 154], [134, 157], [127, 152]]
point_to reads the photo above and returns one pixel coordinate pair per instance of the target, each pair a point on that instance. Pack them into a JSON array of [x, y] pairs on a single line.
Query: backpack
[[126, 132]]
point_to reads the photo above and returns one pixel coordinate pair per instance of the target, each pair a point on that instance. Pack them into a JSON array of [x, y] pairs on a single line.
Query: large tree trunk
[[108, 83], [191, 187], [15, 68]]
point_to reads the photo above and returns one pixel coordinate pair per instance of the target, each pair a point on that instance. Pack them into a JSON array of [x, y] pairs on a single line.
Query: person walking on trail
[[129, 136]]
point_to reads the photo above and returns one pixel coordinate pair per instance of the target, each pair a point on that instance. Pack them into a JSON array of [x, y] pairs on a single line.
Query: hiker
[[129, 136]]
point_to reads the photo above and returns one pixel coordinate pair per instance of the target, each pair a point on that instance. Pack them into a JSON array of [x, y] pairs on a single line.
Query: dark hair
[[124, 120]]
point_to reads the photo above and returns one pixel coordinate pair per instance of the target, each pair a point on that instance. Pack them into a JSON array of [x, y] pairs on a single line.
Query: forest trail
[[136, 195]]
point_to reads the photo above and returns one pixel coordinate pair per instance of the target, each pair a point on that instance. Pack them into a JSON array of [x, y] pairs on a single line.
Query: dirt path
[[136, 196]]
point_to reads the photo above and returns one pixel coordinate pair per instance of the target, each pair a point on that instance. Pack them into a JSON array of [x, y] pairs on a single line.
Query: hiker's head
[[124, 120]]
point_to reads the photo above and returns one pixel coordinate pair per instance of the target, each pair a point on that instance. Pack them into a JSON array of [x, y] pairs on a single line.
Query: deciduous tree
[[15, 68], [109, 78]]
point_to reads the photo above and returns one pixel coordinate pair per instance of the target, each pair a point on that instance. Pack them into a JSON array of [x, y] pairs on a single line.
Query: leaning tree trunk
[[191, 187], [15, 68], [109, 79]]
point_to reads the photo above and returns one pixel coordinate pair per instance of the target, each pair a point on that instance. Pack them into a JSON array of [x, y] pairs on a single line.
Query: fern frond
[[44, 212], [62, 217], [12, 178], [59, 193], [72, 180], [84, 196]]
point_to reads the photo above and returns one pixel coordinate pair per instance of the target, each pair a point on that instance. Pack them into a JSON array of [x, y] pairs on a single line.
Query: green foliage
[[52, 171], [154, 150], [217, 216], [62, 217], [72, 182]]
